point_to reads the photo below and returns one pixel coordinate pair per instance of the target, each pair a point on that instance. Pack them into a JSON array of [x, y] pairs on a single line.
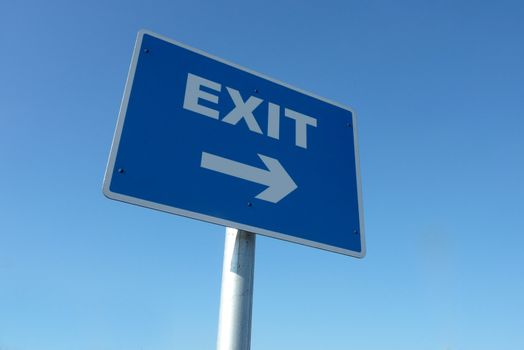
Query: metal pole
[[236, 296]]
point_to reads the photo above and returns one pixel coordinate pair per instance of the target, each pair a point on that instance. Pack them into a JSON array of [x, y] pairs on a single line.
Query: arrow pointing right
[[279, 183]]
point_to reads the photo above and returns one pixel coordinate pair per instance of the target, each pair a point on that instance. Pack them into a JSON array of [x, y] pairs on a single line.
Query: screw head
[[249, 204], [121, 171], [349, 125], [146, 50], [355, 232], [256, 91]]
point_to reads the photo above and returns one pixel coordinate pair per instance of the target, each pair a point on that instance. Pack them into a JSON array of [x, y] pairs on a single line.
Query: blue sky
[[437, 87]]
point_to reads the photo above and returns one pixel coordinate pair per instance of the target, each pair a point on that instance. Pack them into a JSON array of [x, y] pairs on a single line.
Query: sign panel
[[204, 138]]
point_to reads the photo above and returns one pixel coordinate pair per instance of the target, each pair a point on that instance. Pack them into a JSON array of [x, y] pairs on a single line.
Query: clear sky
[[438, 90]]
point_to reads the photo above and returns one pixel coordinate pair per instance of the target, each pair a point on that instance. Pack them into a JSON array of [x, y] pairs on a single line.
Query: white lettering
[[301, 123], [273, 121], [243, 110], [193, 93]]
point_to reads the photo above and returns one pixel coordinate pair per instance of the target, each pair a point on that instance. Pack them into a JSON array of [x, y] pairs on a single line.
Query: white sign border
[[118, 132]]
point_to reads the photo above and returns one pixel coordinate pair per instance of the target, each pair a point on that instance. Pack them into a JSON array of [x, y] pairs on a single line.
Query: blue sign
[[207, 139]]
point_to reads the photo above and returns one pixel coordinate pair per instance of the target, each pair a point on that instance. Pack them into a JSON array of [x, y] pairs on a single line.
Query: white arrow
[[279, 183]]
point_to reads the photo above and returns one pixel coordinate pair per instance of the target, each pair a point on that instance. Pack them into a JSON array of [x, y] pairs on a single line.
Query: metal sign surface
[[207, 139]]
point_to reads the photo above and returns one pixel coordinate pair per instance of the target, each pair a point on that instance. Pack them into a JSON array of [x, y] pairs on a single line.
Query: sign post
[[204, 138], [236, 296]]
